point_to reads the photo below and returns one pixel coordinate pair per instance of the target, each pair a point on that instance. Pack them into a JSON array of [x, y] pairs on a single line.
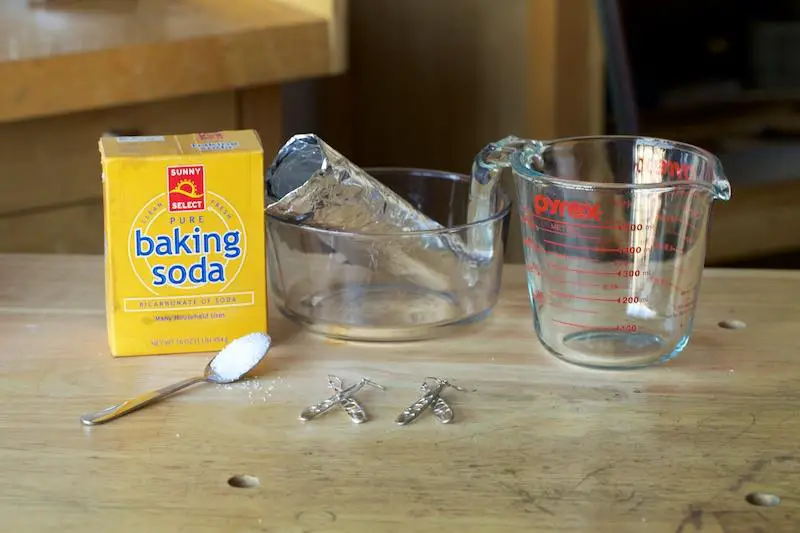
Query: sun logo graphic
[[186, 187]]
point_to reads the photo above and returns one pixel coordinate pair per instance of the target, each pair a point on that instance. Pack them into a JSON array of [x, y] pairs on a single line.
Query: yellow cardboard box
[[185, 266]]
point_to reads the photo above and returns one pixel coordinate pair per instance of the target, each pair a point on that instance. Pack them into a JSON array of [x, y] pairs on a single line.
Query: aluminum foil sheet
[[312, 184]]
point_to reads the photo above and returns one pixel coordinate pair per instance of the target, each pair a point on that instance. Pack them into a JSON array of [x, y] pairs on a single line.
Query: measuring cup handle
[[496, 156]]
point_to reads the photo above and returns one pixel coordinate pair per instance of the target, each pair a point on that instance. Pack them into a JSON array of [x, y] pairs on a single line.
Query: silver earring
[[431, 398], [341, 397]]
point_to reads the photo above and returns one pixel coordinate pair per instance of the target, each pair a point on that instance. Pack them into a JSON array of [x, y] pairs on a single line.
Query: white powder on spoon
[[240, 356]]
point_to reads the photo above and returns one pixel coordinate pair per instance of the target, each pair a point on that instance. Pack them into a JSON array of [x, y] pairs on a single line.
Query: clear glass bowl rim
[[439, 174]]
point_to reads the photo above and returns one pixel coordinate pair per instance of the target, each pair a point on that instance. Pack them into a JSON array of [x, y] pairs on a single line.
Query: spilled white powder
[[241, 355], [258, 391]]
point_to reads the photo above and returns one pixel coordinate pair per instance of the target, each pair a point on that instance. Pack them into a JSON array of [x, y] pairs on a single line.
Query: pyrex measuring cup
[[614, 232]]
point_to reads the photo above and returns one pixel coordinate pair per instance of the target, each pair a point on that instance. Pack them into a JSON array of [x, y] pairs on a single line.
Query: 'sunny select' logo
[[186, 188]]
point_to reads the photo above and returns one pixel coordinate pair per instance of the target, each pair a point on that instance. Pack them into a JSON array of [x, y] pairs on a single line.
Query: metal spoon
[[257, 346]]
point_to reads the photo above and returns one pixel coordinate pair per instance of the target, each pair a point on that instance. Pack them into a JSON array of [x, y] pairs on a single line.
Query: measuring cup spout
[[721, 185]]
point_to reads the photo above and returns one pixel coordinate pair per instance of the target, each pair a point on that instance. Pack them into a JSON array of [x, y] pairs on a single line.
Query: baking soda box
[[184, 241]]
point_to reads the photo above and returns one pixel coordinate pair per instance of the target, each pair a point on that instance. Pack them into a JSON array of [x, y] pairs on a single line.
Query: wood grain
[[103, 54], [539, 446], [335, 12]]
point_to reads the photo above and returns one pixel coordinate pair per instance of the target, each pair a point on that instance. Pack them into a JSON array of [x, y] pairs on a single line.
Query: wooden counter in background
[[705, 442], [73, 70]]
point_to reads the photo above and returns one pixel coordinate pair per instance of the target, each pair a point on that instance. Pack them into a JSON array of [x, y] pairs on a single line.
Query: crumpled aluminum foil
[[312, 184]]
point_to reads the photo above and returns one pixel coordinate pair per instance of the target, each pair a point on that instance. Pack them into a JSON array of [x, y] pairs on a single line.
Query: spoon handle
[[143, 400]]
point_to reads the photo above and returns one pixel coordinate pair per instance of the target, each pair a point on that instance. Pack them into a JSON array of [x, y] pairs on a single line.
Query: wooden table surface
[[60, 56], [539, 446]]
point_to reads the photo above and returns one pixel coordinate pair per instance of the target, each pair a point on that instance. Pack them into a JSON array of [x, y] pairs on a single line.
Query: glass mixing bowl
[[393, 286]]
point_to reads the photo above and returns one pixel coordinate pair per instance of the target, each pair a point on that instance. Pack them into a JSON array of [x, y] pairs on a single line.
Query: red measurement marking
[[584, 271], [548, 230], [624, 226], [669, 219], [574, 235], [528, 219], [575, 224], [587, 298], [626, 273], [629, 250], [667, 247], [685, 305], [572, 309], [603, 286], [573, 282], [584, 326], [538, 297], [536, 248], [680, 313], [579, 247], [533, 269], [658, 280]]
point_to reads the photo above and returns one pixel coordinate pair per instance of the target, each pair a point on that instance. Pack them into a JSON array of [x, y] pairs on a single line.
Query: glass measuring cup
[[614, 231]]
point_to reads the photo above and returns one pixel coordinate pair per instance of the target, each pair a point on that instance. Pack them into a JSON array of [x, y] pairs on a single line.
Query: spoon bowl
[[238, 358]]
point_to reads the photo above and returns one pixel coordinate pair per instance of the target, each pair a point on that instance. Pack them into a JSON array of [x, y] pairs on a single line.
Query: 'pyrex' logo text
[[186, 188], [544, 205]]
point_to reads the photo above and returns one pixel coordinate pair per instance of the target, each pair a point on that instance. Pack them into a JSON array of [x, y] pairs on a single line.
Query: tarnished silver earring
[[342, 397], [431, 398]]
